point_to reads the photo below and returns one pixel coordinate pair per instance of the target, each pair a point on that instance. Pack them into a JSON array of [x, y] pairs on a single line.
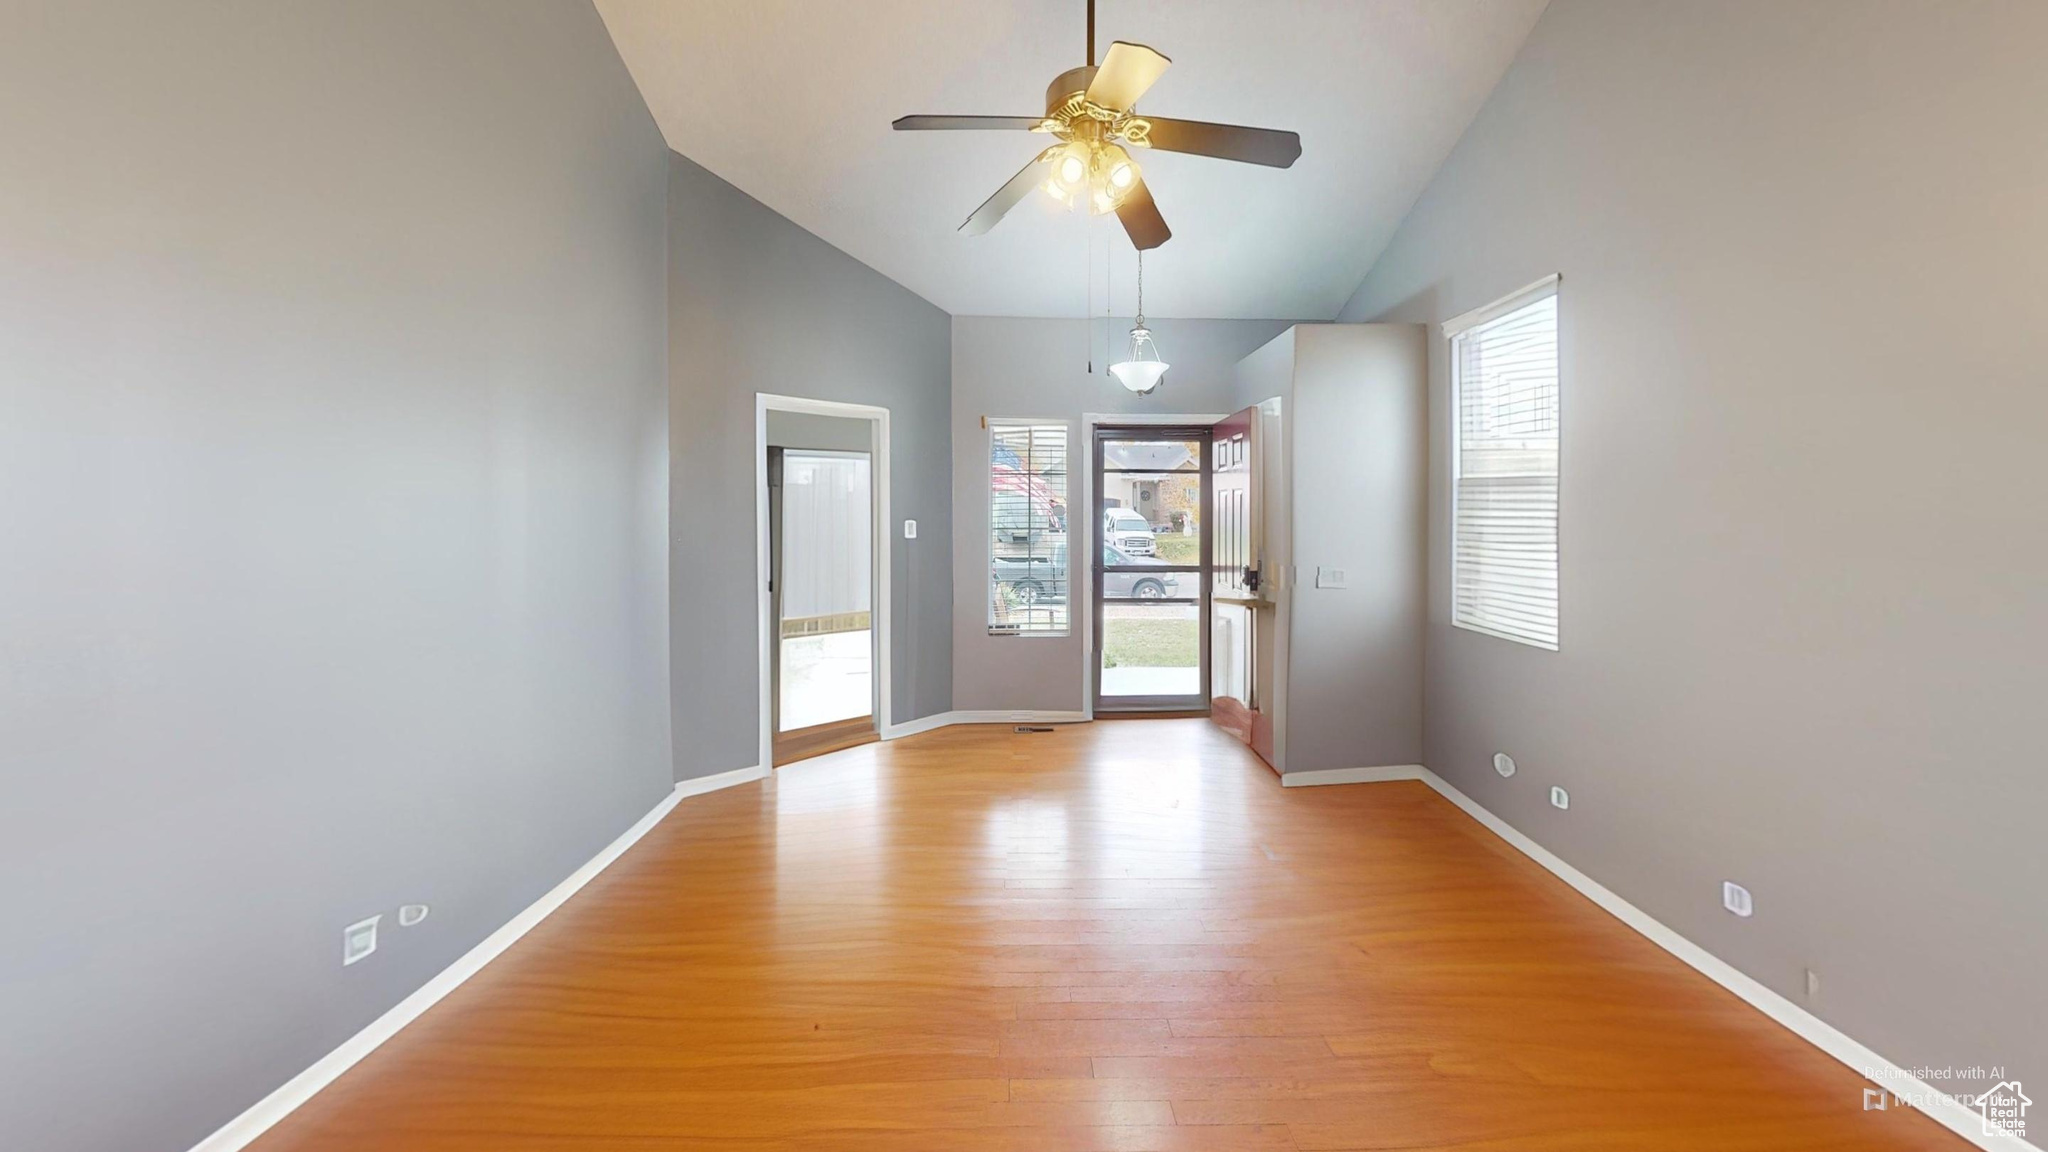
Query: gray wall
[[1355, 456], [1018, 367], [1803, 605], [757, 304], [333, 491], [820, 433]]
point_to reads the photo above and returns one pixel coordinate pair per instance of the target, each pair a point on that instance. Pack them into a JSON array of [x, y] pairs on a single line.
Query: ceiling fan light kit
[[1091, 110]]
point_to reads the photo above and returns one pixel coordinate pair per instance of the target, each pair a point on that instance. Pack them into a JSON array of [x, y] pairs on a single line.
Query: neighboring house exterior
[[1153, 497]]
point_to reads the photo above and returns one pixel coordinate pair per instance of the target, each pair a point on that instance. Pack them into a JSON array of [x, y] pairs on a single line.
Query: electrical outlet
[[910, 529], [1736, 899], [411, 914], [1559, 798], [1504, 764], [1812, 984], [358, 940]]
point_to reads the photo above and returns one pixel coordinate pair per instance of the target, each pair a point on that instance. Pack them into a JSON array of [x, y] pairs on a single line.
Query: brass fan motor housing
[[1067, 85], [1070, 115]]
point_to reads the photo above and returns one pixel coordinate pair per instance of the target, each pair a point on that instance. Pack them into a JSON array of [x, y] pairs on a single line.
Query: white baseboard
[[1354, 775], [260, 1116], [945, 719], [712, 783], [913, 727], [1027, 717], [1949, 1112]]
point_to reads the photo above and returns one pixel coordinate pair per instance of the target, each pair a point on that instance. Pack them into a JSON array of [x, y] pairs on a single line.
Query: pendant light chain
[[1141, 287]]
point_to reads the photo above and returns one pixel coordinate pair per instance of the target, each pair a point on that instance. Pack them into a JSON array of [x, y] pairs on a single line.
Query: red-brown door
[[1242, 607]]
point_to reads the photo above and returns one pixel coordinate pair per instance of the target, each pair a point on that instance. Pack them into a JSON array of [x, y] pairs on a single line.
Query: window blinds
[[1504, 468], [1027, 517]]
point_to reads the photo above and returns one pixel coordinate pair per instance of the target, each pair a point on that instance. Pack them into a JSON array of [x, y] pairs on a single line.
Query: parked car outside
[[1127, 531], [1042, 579], [1029, 581], [1136, 585]]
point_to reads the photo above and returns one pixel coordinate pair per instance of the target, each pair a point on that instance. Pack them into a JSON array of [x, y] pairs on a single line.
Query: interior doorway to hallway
[[821, 592], [1150, 566], [823, 560]]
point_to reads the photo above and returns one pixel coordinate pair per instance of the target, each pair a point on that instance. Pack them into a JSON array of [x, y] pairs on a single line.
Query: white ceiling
[[791, 101]]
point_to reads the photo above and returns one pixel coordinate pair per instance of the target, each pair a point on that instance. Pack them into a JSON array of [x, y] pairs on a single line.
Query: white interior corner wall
[[1352, 458]]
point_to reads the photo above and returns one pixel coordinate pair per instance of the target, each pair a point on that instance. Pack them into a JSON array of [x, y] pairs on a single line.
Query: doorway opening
[[1151, 568], [822, 507], [820, 587]]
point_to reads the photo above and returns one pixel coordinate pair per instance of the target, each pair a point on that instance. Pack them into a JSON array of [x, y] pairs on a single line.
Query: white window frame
[[990, 425], [1453, 330]]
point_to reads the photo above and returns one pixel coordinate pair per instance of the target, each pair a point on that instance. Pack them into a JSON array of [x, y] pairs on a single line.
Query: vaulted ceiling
[[791, 101]]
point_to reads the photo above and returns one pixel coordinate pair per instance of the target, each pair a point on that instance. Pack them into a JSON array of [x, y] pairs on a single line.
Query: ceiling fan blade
[[1147, 228], [1268, 146], [1127, 70], [1007, 197], [967, 123]]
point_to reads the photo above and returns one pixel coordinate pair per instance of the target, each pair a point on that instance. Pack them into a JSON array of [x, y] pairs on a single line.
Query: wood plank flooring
[[804, 743], [1108, 938]]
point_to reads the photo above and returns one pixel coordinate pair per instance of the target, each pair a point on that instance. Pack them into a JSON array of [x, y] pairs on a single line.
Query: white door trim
[[765, 402]]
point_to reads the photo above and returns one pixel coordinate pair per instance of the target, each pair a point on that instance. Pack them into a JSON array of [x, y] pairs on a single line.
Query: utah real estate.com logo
[[2004, 1107]]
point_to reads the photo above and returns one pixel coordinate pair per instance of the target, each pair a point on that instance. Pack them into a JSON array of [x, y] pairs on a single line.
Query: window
[[1504, 467], [1028, 580]]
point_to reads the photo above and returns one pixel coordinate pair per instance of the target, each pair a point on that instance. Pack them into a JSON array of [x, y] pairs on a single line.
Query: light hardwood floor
[[1108, 937]]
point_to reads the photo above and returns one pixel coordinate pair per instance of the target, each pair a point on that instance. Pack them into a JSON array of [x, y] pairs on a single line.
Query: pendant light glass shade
[[1141, 369]]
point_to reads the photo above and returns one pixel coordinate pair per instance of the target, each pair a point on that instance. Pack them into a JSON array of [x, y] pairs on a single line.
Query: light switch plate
[[358, 940], [910, 529], [1559, 798], [1332, 578]]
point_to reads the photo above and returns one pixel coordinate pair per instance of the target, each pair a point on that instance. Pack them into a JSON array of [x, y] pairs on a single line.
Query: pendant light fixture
[[1141, 369]]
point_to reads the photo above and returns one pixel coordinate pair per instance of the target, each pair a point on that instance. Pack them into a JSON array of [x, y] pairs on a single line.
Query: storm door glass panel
[[1151, 564], [1151, 649]]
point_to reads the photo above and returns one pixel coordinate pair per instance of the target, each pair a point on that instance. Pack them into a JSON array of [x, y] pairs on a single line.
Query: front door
[[1151, 570], [1244, 619]]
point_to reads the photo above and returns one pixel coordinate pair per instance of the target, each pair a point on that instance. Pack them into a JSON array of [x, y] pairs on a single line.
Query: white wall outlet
[[411, 914], [910, 529], [1736, 899], [1504, 764], [1812, 984], [1559, 798], [358, 940], [1332, 578]]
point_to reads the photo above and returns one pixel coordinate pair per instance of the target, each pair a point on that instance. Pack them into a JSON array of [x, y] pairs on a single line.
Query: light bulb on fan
[[1091, 172], [1123, 171]]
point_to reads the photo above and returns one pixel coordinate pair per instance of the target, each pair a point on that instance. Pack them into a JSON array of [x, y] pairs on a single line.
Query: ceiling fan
[[1091, 111]]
